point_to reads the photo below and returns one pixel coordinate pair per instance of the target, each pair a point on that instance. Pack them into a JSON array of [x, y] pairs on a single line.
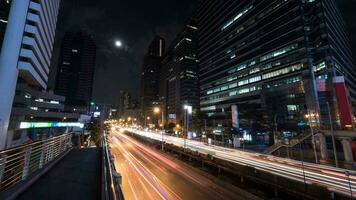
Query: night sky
[[135, 22]]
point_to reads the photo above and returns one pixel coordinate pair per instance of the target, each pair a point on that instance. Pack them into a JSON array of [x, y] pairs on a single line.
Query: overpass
[[54, 169]]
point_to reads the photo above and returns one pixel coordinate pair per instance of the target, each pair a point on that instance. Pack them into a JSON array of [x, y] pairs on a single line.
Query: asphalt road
[[335, 179], [149, 174]]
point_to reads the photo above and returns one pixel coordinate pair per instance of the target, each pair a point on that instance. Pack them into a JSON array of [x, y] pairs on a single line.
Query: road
[[335, 179], [149, 174]]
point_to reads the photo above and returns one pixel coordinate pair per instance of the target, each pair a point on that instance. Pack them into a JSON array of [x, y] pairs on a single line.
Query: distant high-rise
[[276, 61], [27, 30], [75, 71], [125, 102], [157, 47], [150, 76], [179, 79]]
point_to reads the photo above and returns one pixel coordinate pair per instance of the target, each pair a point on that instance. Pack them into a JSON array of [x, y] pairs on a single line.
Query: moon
[[118, 43]]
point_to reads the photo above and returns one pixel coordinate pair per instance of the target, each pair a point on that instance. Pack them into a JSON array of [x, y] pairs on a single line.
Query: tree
[[94, 129], [198, 120], [170, 127]]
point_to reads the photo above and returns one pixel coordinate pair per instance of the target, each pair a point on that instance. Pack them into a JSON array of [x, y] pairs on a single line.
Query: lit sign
[[96, 114], [26, 125]]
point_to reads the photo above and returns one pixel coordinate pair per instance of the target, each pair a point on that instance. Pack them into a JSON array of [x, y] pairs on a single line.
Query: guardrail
[[18, 163], [111, 179]]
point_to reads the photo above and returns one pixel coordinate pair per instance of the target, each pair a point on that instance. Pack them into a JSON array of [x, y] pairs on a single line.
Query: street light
[[157, 110], [147, 118], [309, 116], [188, 110]]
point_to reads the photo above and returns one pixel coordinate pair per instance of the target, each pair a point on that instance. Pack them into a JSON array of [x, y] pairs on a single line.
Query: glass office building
[[277, 61], [179, 79]]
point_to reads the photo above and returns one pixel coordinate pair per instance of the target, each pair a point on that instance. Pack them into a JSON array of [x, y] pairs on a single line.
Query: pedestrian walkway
[[77, 176]]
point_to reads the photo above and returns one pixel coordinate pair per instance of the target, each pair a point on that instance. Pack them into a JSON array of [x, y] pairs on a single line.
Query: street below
[[335, 179], [148, 173]]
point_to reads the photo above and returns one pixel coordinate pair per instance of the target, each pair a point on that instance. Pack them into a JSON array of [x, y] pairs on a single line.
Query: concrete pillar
[[9, 139], [26, 164], [323, 146], [346, 146], [8, 62]]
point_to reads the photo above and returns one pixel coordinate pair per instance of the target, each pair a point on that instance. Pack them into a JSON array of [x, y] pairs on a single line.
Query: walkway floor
[[77, 176]]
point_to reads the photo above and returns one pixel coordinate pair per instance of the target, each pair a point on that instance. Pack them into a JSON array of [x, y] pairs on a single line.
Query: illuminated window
[[243, 82], [237, 16], [320, 66], [241, 67], [254, 79], [224, 88], [279, 52], [254, 70], [233, 85], [282, 71], [243, 91], [292, 108]]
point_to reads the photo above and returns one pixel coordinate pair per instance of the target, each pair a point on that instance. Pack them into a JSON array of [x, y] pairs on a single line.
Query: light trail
[[150, 174], [330, 177]]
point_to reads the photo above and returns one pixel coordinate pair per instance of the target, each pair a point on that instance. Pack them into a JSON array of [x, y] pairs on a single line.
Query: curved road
[[149, 174], [335, 179]]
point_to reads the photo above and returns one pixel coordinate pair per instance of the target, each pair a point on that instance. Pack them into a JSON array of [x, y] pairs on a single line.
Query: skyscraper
[[277, 61], [150, 75], [179, 79], [4, 15], [75, 72], [27, 30], [125, 102]]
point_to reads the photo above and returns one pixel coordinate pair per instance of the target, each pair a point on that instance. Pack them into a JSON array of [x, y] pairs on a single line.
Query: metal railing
[[18, 163], [111, 179]]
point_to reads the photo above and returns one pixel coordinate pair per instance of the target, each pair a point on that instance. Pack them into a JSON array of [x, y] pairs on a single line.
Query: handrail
[[293, 142], [18, 163], [111, 178]]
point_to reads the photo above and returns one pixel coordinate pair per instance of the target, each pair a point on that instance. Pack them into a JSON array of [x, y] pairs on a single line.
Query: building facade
[[150, 76], [277, 61], [27, 44], [125, 102], [179, 79], [4, 17], [75, 72]]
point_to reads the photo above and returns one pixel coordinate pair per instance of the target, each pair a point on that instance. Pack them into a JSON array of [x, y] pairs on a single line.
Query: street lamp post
[[308, 116], [157, 110], [146, 118], [188, 110]]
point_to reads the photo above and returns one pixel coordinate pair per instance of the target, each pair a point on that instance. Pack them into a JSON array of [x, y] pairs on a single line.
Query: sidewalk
[[77, 176]]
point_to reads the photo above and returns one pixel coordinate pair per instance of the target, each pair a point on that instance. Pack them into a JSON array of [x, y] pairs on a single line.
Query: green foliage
[[170, 126], [94, 129], [198, 120]]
